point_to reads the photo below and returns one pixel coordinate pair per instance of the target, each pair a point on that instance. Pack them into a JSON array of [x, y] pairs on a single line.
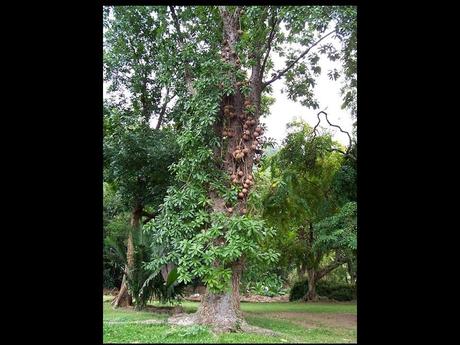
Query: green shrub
[[298, 290], [331, 290], [336, 291]]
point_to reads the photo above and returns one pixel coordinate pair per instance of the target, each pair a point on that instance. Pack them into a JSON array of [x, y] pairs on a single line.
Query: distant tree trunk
[[312, 281], [124, 299]]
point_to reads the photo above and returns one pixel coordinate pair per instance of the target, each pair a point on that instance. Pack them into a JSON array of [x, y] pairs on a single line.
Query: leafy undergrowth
[[289, 330]]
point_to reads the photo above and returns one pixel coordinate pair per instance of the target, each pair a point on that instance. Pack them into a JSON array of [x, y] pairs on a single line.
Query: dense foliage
[[334, 291]]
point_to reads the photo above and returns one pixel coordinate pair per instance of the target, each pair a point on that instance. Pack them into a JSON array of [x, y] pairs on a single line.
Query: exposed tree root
[[193, 319]]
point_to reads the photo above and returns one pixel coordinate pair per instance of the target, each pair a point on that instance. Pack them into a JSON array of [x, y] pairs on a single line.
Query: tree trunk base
[[220, 311], [240, 326], [123, 298]]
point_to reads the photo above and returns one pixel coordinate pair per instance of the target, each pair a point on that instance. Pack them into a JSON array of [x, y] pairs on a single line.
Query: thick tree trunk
[[124, 299], [222, 311], [312, 281]]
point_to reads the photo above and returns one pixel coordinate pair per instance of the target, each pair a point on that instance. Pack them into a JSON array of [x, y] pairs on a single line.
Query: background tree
[[136, 161], [308, 203], [136, 156]]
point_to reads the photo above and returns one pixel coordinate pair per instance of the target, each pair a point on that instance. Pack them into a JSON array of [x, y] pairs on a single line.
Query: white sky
[[326, 91]]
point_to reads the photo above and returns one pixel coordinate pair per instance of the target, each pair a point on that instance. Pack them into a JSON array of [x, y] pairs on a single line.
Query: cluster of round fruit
[[229, 111], [246, 183], [240, 152]]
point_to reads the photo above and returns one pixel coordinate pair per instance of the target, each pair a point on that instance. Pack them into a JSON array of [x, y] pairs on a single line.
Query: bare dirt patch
[[310, 320]]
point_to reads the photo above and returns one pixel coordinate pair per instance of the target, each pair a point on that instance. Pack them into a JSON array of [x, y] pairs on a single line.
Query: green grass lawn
[[296, 322]]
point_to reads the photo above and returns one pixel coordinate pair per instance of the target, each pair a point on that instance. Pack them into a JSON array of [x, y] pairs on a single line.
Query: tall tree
[[210, 51]]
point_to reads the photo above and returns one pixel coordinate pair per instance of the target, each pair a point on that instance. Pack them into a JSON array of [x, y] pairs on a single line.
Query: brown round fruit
[[245, 137], [241, 195], [258, 129], [247, 102], [246, 150], [250, 177], [240, 173], [233, 176], [230, 209], [246, 185], [253, 147], [245, 191], [253, 122], [247, 132]]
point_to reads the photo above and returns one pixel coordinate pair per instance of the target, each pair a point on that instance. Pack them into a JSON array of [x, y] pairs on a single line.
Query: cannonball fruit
[[241, 195], [245, 191], [230, 209], [240, 173], [246, 185]]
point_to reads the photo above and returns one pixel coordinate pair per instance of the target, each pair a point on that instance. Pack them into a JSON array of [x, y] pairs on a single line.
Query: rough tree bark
[[237, 126], [223, 310], [312, 280], [124, 299]]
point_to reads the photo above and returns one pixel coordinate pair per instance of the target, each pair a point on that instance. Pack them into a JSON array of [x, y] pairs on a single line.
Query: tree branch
[[283, 72], [188, 78], [163, 109], [329, 268], [269, 42], [347, 153], [149, 216]]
